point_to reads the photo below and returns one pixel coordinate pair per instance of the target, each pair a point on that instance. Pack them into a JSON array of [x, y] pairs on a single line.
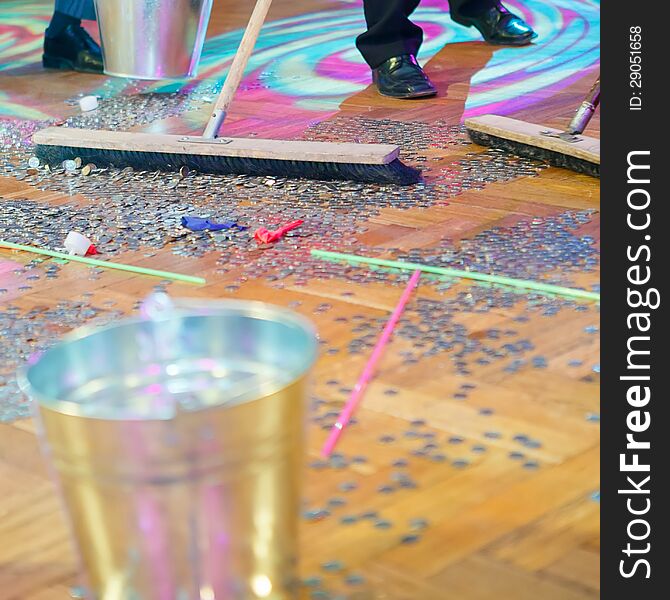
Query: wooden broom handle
[[583, 114], [237, 68]]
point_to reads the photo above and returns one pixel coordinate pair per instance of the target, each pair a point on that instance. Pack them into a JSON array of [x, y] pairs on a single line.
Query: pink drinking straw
[[368, 371]]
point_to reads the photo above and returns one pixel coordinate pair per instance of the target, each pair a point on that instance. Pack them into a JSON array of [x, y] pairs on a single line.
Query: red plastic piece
[[92, 250], [265, 236]]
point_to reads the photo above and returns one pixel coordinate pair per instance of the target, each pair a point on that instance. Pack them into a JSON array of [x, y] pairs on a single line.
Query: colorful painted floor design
[[310, 60]]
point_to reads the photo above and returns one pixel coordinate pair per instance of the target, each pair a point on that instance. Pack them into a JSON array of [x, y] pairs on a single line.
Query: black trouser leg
[[79, 9], [469, 7], [390, 32], [69, 12]]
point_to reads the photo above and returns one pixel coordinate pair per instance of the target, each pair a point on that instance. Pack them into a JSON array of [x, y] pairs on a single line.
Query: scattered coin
[[87, 169]]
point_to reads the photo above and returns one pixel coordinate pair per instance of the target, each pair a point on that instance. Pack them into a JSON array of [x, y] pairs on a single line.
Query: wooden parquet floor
[[496, 530]]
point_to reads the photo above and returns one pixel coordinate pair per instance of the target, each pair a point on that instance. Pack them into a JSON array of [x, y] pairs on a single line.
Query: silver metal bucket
[[152, 39], [177, 443]]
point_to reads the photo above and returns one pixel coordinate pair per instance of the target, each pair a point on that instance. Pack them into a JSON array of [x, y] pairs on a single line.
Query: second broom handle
[[237, 68], [583, 114]]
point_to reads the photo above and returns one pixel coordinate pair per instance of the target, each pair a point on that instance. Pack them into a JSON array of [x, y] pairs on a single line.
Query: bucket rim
[[186, 308], [184, 77]]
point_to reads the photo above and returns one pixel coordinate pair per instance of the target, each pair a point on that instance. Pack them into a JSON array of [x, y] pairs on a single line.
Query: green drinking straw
[[104, 263], [508, 281]]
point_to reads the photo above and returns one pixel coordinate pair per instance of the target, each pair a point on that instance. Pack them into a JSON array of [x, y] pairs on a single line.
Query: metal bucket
[[177, 444], [152, 39]]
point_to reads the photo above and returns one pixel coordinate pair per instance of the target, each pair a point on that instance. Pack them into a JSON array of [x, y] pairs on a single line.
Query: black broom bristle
[[394, 172], [558, 159]]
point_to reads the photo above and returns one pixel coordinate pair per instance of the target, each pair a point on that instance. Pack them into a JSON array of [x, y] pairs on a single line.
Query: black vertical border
[[624, 131]]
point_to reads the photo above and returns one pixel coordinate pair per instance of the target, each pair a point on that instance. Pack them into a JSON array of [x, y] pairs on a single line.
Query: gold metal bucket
[[177, 443]]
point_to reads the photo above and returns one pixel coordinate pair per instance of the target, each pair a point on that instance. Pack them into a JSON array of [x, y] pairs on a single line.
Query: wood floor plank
[[477, 577]]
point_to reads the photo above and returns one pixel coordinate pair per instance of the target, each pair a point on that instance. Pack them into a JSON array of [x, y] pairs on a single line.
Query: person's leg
[[496, 24], [390, 45], [459, 8], [69, 12], [66, 44], [390, 32]]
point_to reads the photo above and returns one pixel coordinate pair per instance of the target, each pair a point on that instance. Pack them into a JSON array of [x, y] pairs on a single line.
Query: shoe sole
[[409, 96], [524, 42], [63, 64]]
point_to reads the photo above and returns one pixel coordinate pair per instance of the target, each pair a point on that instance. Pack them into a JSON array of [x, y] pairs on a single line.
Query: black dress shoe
[[499, 26], [402, 77], [72, 50]]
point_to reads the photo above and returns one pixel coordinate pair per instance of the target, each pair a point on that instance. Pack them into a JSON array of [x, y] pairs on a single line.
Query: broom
[[370, 163], [568, 148]]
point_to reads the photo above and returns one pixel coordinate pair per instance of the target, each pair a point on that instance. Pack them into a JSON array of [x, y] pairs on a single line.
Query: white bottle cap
[[77, 244], [88, 103]]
